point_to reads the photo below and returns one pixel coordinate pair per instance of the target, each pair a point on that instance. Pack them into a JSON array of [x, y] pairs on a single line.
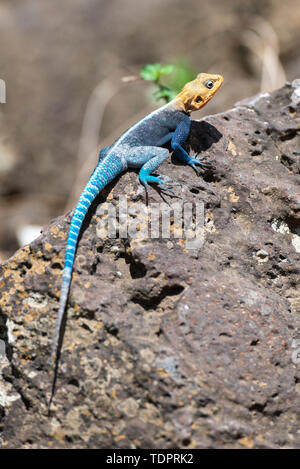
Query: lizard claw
[[168, 191], [164, 181], [195, 168], [200, 162]]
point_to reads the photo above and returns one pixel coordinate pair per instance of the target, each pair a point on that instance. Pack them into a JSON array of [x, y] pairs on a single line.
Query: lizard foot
[[163, 183], [200, 162]]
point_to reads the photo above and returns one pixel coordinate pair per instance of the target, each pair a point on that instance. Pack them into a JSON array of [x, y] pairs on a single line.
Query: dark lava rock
[[167, 346]]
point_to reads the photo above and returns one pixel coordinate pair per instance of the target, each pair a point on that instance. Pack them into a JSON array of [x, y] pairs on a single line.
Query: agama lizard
[[141, 146]]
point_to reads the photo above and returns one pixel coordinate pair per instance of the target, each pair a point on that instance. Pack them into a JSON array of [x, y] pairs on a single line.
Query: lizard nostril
[[198, 99]]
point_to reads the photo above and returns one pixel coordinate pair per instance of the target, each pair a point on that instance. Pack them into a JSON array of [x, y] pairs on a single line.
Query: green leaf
[[166, 69], [182, 73], [179, 74], [151, 72], [165, 93]]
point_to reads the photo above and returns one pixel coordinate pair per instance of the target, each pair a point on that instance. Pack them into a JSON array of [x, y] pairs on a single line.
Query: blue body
[[138, 147]]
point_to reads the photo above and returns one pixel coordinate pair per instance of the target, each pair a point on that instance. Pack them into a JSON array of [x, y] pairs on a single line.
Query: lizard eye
[[209, 84]]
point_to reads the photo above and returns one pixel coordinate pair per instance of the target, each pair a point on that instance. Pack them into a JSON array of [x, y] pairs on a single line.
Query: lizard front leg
[[179, 138]]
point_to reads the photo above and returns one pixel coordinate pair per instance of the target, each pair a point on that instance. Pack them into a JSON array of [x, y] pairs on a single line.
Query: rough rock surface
[[165, 346]]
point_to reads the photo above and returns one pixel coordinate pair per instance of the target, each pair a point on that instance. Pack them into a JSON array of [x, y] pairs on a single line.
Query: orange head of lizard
[[198, 92]]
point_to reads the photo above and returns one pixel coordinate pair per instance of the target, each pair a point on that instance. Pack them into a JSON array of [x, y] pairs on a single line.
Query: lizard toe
[[200, 162]]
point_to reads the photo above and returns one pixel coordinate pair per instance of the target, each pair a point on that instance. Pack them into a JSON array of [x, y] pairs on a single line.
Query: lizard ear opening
[[196, 103]]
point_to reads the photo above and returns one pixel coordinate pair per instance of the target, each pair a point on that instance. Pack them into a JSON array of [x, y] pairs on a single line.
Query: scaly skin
[[139, 147]]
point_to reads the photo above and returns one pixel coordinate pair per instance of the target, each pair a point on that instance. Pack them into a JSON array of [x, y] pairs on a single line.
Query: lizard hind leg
[[103, 153], [149, 159]]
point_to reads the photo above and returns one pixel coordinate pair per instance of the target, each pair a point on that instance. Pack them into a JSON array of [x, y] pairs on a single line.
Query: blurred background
[[69, 70]]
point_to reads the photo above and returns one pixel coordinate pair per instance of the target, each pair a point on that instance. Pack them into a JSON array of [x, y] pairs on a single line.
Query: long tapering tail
[[110, 167]]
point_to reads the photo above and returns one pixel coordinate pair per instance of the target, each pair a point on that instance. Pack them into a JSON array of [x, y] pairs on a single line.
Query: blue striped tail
[[107, 170]]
